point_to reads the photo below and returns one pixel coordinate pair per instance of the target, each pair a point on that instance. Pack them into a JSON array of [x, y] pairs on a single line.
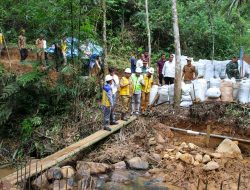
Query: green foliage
[[9, 90], [28, 125], [29, 78]]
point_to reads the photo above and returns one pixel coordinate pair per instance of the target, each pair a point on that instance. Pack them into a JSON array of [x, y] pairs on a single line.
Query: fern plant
[[28, 78], [9, 90]]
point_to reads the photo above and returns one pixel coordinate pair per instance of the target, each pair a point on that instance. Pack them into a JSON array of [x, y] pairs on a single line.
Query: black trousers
[[169, 80], [161, 79], [23, 54]]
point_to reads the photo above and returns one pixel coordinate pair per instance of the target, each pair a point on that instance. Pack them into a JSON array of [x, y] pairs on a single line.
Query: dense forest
[[202, 23], [35, 108]]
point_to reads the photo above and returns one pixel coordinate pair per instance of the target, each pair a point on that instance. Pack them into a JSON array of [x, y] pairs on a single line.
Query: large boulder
[[229, 149], [188, 158], [67, 171], [41, 182], [138, 163], [212, 165], [54, 173], [92, 167]]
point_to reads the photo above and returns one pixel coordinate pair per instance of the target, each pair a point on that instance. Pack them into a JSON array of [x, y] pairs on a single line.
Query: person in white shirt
[[45, 50], [168, 70], [139, 62], [114, 87]]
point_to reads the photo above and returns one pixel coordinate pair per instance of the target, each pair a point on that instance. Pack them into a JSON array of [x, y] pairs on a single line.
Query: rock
[[170, 149], [41, 182], [166, 156], [236, 142], [151, 141], [120, 176], [54, 173], [183, 145], [198, 157], [159, 139], [178, 155], [180, 167], [147, 174], [63, 184], [192, 146], [159, 147], [104, 177], [206, 158], [67, 172], [120, 165], [156, 157], [155, 170], [196, 163], [164, 130], [138, 163], [229, 149], [216, 155], [188, 158], [212, 165], [92, 167]]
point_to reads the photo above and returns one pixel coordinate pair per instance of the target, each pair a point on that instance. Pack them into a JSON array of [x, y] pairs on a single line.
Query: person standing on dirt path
[[114, 86], [168, 70], [64, 49], [144, 67], [107, 102], [188, 71], [232, 69], [40, 49], [146, 87], [1, 42], [160, 65], [125, 93], [22, 46], [137, 82]]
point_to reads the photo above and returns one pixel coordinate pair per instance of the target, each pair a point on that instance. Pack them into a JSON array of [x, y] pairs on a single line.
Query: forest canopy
[[200, 21]]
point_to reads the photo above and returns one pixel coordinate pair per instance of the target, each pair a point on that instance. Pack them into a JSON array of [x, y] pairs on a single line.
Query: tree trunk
[[148, 32], [105, 51], [177, 84]]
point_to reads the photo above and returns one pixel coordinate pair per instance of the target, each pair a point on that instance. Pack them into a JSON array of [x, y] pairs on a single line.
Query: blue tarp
[[87, 49]]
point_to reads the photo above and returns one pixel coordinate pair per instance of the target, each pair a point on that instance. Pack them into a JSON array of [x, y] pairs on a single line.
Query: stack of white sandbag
[[166, 93], [153, 93], [244, 92], [200, 88], [186, 91]]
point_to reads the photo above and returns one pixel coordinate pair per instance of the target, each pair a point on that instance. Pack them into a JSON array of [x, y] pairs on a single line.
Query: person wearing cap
[[137, 82], [188, 71], [114, 86], [125, 93], [146, 87], [144, 67], [107, 102], [168, 70], [22, 46]]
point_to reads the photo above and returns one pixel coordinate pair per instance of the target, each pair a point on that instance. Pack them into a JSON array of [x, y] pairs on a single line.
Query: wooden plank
[[66, 153]]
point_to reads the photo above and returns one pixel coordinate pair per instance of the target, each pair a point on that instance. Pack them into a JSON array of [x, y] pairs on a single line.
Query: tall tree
[[105, 51], [177, 84], [148, 31]]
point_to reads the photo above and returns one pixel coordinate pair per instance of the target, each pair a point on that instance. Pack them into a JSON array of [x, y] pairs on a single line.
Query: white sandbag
[[200, 69], [153, 93], [209, 70], [186, 98], [215, 82], [200, 88], [227, 90], [186, 103], [213, 92], [236, 88], [244, 91], [217, 68], [223, 68], [166, 93]]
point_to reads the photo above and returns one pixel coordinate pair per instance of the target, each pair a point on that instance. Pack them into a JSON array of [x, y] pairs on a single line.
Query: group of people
[[134, 89]]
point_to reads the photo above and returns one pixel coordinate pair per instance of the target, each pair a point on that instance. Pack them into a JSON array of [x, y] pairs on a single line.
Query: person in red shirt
[[160, 65]]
